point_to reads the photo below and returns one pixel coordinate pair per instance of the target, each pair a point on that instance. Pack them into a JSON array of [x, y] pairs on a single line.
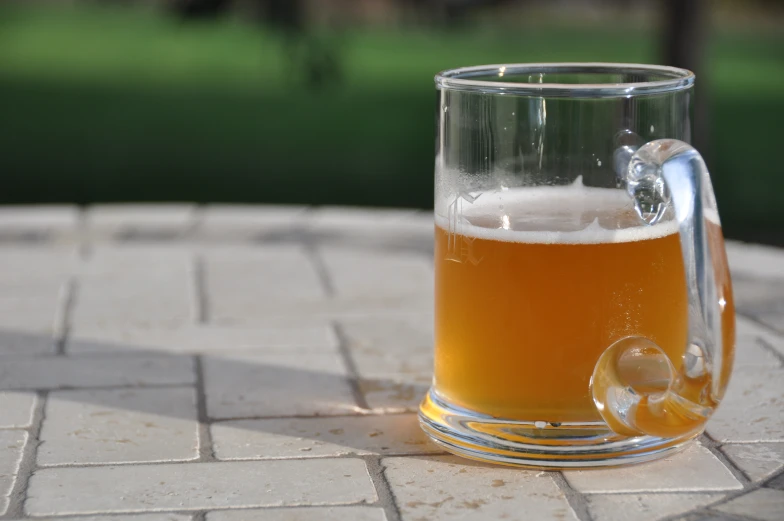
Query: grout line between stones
[[201, 302], [767, 346], [84, 245], [206, 450], [386, 498], [351, 368], [233, 460], [576, 500], [763, 325], [320, 268], [27, 465], [715, 448], [748, 485], [65, 307]]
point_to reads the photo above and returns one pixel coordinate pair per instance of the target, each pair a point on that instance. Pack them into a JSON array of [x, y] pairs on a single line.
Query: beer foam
[[573, 214]]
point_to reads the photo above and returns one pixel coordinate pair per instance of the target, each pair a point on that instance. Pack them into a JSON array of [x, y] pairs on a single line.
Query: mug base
[[538, 444]]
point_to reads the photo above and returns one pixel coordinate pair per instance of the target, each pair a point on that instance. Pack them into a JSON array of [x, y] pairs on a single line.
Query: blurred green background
[[135, 101]]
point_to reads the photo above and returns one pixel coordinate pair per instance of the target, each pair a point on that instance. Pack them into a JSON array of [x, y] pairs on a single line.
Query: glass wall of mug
[[550, 248]]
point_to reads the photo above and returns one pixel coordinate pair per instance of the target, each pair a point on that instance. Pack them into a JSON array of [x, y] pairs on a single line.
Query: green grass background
[[110, 104]]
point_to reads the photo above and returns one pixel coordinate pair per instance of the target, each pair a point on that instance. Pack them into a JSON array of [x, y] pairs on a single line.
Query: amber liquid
[[519, 326]]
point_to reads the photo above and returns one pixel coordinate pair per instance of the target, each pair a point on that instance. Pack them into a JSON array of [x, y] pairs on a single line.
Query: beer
[[532, 285]]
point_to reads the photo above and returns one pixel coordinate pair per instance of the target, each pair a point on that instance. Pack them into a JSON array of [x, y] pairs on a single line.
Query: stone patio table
[[219, 363]]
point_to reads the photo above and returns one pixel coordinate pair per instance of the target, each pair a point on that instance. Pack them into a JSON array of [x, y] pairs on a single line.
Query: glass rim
[[460, 79]]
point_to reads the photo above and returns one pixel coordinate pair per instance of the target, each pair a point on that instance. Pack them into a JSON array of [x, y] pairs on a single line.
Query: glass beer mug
[[583, 306]]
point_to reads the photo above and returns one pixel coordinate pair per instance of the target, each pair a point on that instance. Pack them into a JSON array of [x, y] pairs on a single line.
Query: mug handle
[[636, 388]]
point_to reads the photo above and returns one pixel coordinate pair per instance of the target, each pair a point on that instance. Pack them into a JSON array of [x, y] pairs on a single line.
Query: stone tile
[[400, 393], [248, 285], [35, 271], [774, 320], [753, 408], [367, 276], [276, 384], [777, 482], [756, 460], [11, 446], [359, 513], [139, 286], [119, 426], [319, 437], [303, 337], [347, 219], [755, 260], [197, 486], [707, 516], [31, 325], [129, 221], [38, 222], [250, 222], [447, 487], [140, 517], [384, 347], [17, 409], [390, 229], [645, 507], [694, 469], [245, 285], [764, 504], [759, 298], [754, 344], [56, 372]]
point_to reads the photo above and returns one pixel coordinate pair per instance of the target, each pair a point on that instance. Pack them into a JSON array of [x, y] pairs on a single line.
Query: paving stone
[[250, 222], [401, 393], [447, 487], [777, 482], [760, 298], [140, 517], [276, 384], [756, 345], [16, 409], [753, 408], [248, 284], [755, 260], [148, 221], [119, 426], [302, 338], [301, 514], [363, 275], [389, 347], [141, 286], [774, 320], [645, 507], [318, 437], [35, 271], [756, 460], [764, 504], [11, 446], [394, 230], [38, 222], [695, 469], [707, 516], [196, 486], [30, 325], [57, 372]]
